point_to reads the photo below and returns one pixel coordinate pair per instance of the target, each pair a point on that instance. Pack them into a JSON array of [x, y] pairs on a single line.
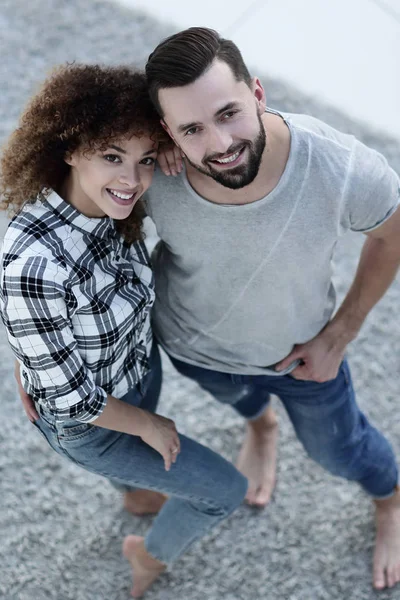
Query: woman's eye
[[148, 161], [113, 158]]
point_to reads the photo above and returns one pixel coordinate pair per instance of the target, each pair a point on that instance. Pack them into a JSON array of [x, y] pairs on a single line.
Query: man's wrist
[[343, 329]]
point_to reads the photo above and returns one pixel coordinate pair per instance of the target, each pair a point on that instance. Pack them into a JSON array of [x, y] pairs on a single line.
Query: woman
[[76, 292]]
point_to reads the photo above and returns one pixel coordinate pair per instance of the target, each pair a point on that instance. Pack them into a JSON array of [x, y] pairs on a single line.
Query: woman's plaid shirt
[[75, 300]]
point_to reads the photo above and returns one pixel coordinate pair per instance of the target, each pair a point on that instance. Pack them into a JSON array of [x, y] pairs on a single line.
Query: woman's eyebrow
[[117, 148]]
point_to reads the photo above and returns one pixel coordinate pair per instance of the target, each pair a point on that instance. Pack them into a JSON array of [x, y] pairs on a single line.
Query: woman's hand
[[27, 401], [160, 433], [170, 159]]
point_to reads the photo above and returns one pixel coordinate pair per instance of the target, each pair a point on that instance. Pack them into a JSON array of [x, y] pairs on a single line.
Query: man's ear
[[259, 94], [167, 129]]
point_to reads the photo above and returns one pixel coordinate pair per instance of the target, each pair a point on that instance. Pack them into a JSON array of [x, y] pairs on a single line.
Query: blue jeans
[[203, 487], [325, 416]]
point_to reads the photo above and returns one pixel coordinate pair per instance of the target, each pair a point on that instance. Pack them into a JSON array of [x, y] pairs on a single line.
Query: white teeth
[[122, 196], [229, 159]]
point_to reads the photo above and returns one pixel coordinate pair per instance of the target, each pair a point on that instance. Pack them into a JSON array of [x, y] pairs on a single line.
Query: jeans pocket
[[71, 433]]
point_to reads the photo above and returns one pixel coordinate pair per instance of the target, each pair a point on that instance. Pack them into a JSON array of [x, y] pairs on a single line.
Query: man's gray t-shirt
[[238, 286]]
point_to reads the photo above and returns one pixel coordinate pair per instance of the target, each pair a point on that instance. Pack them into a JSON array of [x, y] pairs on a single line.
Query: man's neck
[[273, 163]]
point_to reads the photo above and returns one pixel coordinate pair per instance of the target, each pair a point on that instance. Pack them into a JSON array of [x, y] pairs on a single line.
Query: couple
[[244, 296]]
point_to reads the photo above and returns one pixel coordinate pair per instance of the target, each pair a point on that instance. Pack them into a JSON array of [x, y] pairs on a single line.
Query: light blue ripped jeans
[[203, 487]]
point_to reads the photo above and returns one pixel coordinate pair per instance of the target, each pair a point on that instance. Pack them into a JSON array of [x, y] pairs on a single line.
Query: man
[[243, 273]]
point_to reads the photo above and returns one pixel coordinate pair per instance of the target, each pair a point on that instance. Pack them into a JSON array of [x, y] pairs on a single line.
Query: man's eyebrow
[[219, 112], [228, 106]]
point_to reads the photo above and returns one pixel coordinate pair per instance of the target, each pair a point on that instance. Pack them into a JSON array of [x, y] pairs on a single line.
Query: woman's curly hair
[[78, 106]]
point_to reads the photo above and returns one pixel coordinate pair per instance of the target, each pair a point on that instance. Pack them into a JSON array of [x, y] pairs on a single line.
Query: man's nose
[[219, 141]]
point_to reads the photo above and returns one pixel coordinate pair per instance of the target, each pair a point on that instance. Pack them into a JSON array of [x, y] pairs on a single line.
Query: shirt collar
[[103, 227]]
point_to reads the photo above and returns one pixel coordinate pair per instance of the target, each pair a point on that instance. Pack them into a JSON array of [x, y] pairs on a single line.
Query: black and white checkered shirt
[[75, 299]]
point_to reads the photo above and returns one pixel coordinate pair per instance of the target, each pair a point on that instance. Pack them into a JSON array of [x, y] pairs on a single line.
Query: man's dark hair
[[183, 57]]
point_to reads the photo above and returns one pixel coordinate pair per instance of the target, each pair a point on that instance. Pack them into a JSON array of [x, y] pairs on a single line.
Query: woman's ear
[[70, 159]]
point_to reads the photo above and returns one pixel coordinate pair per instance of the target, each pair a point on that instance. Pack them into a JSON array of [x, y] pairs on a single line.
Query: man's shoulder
[[163, 186], [162, 181], [319, 132]]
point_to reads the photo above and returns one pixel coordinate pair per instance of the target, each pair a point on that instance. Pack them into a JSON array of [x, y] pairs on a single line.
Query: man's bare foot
[[145, 568], [143, 502], [387, 548], [257, 457]]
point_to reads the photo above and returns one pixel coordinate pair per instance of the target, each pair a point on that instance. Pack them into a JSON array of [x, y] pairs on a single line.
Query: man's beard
[[242, 175]]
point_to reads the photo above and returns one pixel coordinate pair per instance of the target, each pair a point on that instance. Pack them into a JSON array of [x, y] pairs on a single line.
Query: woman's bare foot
[[143, 502], [145, 568], [257, 457], [387, 547]]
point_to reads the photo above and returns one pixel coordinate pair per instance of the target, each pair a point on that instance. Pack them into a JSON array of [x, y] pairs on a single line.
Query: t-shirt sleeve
[[372, 190], [35, 315]]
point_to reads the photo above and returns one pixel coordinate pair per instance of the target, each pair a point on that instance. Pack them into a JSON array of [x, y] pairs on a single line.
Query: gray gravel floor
[[61, 528]]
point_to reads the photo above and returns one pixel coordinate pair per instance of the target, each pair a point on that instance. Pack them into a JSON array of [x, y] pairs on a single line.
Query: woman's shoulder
[[31, 239], [31, 228]]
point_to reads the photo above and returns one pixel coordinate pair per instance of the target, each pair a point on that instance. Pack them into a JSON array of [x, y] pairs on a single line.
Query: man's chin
[[234, 181], [230, 180], [235, 185]]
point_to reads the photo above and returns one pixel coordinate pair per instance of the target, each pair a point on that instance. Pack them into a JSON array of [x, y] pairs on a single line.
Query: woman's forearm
[[123, 417]]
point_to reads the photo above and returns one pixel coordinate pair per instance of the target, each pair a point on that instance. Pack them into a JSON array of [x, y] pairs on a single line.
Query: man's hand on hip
[[320, 358]]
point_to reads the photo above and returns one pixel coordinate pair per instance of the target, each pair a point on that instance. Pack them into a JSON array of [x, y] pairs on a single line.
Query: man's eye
[[191, 131], [113, 158], [228, 115]]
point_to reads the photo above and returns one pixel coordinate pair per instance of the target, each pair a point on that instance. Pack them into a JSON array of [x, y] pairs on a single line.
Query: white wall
[[345, 52]]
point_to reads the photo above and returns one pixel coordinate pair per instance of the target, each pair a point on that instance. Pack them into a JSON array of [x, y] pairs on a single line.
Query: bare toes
[[262, 497], [379, 579], [251, 495], [391, 578]]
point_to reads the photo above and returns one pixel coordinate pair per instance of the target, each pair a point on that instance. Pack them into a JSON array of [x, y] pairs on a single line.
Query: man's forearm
[[377, 268]]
